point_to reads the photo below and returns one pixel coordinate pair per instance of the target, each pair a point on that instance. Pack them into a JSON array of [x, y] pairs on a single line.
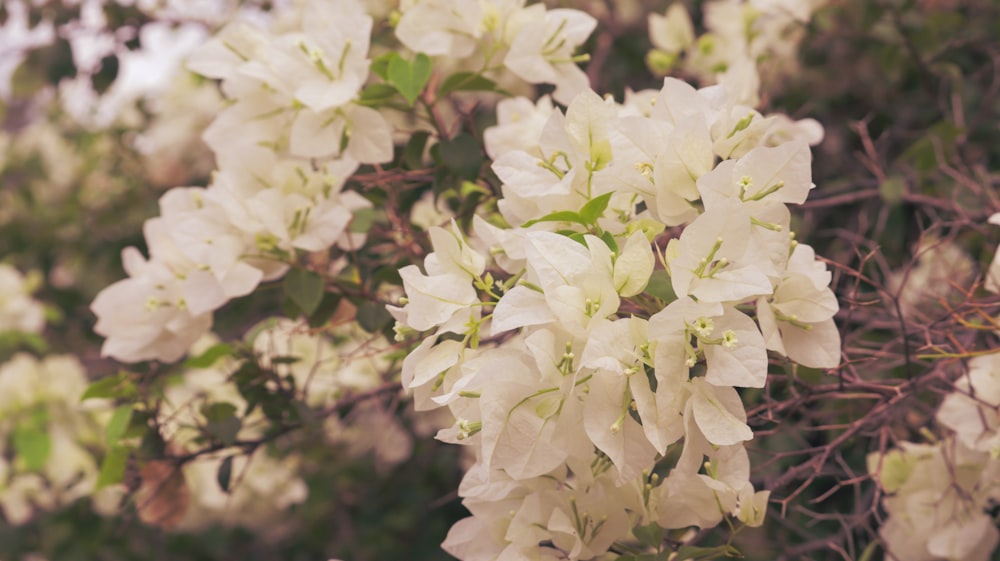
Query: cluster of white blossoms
[[316, 370], [492, 37], [294, 130], [596, 389], [744, 42], [18, 310], [289, 138], [47, 440], [941, 495]]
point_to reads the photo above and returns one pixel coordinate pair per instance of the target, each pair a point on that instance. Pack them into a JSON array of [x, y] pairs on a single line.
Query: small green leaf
[[117, 386], [413, 153], [119, 423], [462, 156], [377, 94], [869, 551], [706, 553], [225, 473], [219, 411], [380, 64], [113, 467], [32, 444], [363, 220], [650, 534], [660, 286], [558, 216], [892, 190], [372, 316], [595, 208], [466, 81], [305, 289], [327, 307], [222, 424], [409, 77], [609, 240], [210, 356]]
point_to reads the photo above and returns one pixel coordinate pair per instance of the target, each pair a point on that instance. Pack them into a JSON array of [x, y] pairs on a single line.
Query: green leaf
[[609, 240], [117, 386], [466, 81], [32, 444], [372, 316], [377, 94], [222, 424], [558, 216], [219, 411], [119, 423], [327, 307], [869, 551], [363, 220], [210, 356], [113, 467], [305, 289], [892, 190], [706, 553], [660, 286], [650, 534], [225, 473], [380, 64], [413, 153], [595, 208], [409, 77], [462, 156]]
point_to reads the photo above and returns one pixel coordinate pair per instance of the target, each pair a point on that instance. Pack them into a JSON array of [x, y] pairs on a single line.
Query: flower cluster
[[286, 143], [596, 389], [18, 310], [745, 41], [316, 371], [941, 494], [492, 37], [48, 443]]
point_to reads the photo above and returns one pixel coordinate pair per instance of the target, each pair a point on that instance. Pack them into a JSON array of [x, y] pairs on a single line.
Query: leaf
[[869, 551], [892, 190], [113, 467], [163, 496], [326, 310], [210, 356], [650, 534], [380, 65], [409, 77], [117, 386], [222, 423], [305, 289], [377, 94], [659, 285], [413, 153], [466, 81], [363, 220], [462, 156], [372, 316], [706, 553], [558, 216], [225, 474], [33, 445], [119, 423], [595, 208]]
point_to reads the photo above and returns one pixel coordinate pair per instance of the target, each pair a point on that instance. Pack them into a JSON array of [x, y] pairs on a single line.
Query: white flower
[[542, 49], [18, 310]]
